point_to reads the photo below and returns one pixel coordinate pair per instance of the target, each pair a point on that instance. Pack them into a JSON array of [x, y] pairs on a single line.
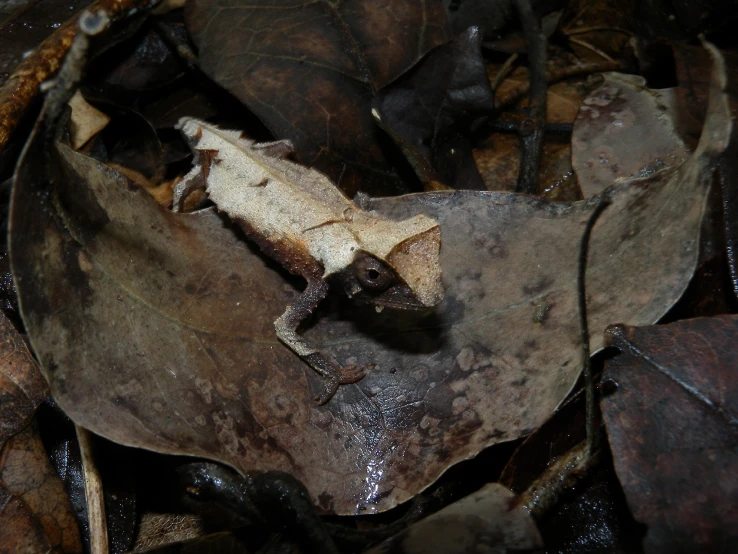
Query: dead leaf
[[482, 521], [623, 130], [25, 472], [597, 30], [22, 387], [85, 122], [156, 329], [428, 111], [20, 531], [310, 73], [498, 161], [672, 423], [563, 98]]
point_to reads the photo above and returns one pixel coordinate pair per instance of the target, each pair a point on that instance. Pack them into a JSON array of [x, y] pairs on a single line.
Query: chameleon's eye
[[373, 274]]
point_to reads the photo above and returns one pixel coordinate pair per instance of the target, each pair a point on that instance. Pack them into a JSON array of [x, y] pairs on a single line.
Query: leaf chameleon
[[298, 217]]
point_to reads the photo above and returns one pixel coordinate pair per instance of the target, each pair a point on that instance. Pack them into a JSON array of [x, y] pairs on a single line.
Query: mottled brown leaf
[[25, 472], [309, 70], [22, 387], [20, 531], [623, 130], [156, 329], [672, 423]]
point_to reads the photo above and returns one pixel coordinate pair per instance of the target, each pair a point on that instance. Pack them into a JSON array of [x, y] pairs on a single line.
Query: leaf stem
[[593, 435]]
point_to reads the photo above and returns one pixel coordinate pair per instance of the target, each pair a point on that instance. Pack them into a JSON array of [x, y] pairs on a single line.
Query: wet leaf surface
[[310, 74], [428, 111], [22, 387], [623, 130], [25, 472], [672, 423], [591, 520]]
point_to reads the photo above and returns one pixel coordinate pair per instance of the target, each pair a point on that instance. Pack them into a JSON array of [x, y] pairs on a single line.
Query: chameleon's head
[[398, 263]]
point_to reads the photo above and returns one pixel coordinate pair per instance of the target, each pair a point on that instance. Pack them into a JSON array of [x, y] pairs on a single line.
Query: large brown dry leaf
[[673, 427], [156, 329], [26, 472], [309, 70], [623, 130], [22, 387]]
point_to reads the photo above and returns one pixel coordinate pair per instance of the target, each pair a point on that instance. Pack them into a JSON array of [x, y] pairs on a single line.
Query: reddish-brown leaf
[[22, 387], [20, 530], [310, 72], [25, 471], [672, 423]]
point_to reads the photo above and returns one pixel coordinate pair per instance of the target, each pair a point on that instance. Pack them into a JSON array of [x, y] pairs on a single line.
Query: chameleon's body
[[299, 218]]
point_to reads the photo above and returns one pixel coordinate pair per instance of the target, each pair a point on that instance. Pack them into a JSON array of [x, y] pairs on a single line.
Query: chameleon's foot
[[334, 377]]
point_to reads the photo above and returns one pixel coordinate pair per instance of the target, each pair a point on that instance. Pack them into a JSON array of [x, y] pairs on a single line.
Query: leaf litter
[[155, 329]]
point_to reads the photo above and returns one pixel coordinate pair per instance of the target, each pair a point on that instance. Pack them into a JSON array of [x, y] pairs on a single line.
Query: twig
[[592, 432], [556, 75], [532, 143], [582, 30], [559, 477], [22, 86], [503, 72], [588, 46], [94, 494]]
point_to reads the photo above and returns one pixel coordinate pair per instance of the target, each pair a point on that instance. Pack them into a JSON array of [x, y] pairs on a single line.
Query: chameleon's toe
[[353, 373], [340, 376]]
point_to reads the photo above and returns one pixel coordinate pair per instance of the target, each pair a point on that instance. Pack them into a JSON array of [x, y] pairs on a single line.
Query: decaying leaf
[[482, 521], [85, 121], [310, 73], [623, 130], [22, 387], [426, 111], [25, 472], [672, 423], [156, 329], [20, 531]]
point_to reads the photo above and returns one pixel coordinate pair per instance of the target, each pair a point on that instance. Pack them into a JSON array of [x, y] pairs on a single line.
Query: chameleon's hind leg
[[333, 373]]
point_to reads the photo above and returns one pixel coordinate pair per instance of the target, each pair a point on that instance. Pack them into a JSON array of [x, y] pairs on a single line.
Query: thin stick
[[588, 46], [532, 141], [504, 71], [582, 30], [94, 493], [592, 432], [561, 476], [22, 86]]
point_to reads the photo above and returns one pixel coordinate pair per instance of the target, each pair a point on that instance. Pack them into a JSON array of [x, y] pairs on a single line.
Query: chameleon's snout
[[417, 263]]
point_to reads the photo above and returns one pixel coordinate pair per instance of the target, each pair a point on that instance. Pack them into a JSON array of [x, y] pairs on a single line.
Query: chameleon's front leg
[[286, 326]]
